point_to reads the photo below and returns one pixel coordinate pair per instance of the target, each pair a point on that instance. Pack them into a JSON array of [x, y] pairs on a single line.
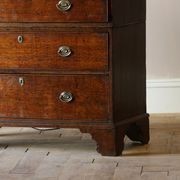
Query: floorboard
[[67, 154]]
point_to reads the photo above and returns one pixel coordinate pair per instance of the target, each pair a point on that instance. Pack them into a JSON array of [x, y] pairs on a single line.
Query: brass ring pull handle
[[63, 5], [20, 39], [64, 51], [66, 97]]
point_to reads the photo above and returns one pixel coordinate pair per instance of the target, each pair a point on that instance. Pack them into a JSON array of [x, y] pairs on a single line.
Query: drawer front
[[54, 50], [46, 97], [53, 11]]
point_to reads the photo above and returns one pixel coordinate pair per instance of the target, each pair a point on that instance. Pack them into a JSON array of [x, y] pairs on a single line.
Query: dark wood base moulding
[[109, 137]]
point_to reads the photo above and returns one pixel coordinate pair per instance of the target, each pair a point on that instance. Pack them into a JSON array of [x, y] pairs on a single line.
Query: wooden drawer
[[43, 51], [30, 96], [46, 11]]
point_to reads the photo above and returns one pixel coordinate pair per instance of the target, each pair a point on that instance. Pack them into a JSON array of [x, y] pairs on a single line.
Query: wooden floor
[[66, 154]]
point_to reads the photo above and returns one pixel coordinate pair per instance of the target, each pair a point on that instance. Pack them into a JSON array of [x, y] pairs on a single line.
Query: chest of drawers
[[75, 64]]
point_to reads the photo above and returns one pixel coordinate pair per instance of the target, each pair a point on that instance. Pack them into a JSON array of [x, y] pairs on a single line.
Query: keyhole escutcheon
[[21, 81]]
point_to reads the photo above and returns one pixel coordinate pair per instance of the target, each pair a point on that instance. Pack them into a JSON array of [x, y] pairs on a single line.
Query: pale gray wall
[[163, 39]]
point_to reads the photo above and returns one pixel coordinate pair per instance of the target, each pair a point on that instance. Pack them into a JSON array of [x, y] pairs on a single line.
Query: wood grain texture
[[39, 97], [72, 155], [129, 71], [39, 51], [46, 11], [125, 12], [106, 72], [120, 12]]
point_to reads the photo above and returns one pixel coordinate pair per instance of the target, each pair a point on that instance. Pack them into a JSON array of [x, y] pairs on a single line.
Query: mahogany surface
[[106, 71], [39, 51], [39, 97], [46, 11]]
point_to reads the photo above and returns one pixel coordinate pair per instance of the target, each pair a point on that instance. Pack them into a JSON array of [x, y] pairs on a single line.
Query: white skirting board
[[163, 96]]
